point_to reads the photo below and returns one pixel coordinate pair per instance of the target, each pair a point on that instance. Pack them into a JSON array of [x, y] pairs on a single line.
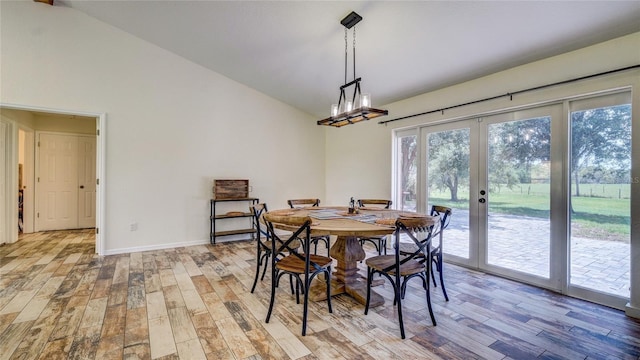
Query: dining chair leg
[[433, 275], [297, 290], [306, 305], [291, 284], [274, 280], [428, 291], [258, 263], [263, 258], [369, 276], [439, 267], [328, 278], [396, 288], [266, 262]]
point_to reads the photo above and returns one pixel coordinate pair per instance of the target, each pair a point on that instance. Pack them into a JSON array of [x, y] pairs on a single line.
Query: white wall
[[171, 125]]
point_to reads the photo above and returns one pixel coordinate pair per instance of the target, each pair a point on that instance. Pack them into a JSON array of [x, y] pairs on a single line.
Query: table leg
[[346, 279]]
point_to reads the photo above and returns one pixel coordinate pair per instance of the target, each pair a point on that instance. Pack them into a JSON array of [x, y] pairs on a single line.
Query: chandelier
[[358, 107]]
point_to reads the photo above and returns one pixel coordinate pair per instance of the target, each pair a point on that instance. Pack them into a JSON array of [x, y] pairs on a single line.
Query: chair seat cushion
[[294, 264], [385, 261]]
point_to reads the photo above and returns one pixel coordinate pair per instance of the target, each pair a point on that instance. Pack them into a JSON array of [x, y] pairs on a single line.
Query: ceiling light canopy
[[358, 108]]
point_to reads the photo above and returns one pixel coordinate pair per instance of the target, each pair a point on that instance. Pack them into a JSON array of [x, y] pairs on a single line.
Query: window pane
[[600, 199], [448, 184], [519, 195], [407, 177]]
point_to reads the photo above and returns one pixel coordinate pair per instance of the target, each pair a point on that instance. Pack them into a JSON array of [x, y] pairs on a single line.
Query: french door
[[494, 172], [515, 155], [511, 181]]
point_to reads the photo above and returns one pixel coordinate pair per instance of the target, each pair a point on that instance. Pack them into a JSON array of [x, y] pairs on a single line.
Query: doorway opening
[[25, 171]]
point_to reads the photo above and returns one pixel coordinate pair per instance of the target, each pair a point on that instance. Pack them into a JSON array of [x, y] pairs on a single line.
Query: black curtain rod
[[510, 94]]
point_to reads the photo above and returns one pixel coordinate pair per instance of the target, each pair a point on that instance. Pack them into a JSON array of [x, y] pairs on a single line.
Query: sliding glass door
[[540, 195]]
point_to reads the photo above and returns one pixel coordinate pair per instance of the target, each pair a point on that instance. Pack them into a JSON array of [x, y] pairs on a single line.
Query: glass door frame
[[605, 99], [558, 235], [474, 234]]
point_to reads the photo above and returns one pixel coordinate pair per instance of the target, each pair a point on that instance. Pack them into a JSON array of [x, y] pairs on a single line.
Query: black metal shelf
[[234, 232], [232, 216], [213, 218]]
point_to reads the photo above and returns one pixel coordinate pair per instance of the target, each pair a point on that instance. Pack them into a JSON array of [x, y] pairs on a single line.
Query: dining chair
[[263, 251], [379, 241], [399, 269], [302, 266], [315, 239], [263, 243], [436, 252], [444, 213]]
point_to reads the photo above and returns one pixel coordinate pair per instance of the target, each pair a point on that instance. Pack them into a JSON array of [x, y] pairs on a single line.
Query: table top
[[335, 220]]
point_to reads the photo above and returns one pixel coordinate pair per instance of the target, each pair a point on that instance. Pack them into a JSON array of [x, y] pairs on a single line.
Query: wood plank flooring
[[58, 300]]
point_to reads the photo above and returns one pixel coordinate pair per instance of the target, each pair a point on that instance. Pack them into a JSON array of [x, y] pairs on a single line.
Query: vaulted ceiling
[[294, 51]]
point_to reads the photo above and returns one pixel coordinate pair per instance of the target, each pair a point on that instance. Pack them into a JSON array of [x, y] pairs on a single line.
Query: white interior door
[[86, 181], [57, 201]]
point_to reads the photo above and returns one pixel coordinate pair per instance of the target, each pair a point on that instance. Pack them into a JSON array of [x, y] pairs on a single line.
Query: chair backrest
[[444, 213], [445, 217], [293, 203], [258, 211], [385, 204], [420, 231], [300, 228]]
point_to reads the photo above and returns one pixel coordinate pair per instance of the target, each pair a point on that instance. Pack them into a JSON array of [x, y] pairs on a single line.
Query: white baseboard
[[632, 311], [156, 247]]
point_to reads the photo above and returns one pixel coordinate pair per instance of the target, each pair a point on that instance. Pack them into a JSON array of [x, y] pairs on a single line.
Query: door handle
[[482, 200], [81, 186]]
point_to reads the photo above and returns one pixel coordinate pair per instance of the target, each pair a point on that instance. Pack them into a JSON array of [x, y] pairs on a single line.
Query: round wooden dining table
[[346, 249]]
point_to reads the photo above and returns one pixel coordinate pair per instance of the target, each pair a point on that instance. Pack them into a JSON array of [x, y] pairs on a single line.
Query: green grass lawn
[[597, 214]]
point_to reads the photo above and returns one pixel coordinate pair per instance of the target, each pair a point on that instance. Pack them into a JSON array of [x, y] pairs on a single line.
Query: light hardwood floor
[[58, 300]]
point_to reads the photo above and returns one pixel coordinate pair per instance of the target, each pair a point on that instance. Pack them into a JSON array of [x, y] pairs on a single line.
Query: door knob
[[482, 200], [81, 186]]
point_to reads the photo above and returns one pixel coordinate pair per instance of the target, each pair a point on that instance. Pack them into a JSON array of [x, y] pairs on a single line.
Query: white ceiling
[[294, 50]]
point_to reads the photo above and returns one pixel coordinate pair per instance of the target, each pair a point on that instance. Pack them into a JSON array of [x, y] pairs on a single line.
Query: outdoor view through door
[[566, 229], [518, 179], [600, 195]]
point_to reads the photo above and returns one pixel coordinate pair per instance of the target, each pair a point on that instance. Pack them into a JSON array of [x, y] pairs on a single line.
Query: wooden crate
[[230, 189]]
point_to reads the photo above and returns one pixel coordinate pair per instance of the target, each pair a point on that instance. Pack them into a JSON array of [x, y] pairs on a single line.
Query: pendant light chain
[[354, 53], [345, 55]]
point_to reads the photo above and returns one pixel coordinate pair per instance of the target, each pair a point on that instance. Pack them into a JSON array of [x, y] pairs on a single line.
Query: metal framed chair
[[436, 251], [444, 213], [400, 268], [263, 251], [380, 242], [315, 239], [263, 243], [302, 266]]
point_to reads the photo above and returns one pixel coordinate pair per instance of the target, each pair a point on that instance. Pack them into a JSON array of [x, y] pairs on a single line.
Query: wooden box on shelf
[[234, 194], [230, 189]]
